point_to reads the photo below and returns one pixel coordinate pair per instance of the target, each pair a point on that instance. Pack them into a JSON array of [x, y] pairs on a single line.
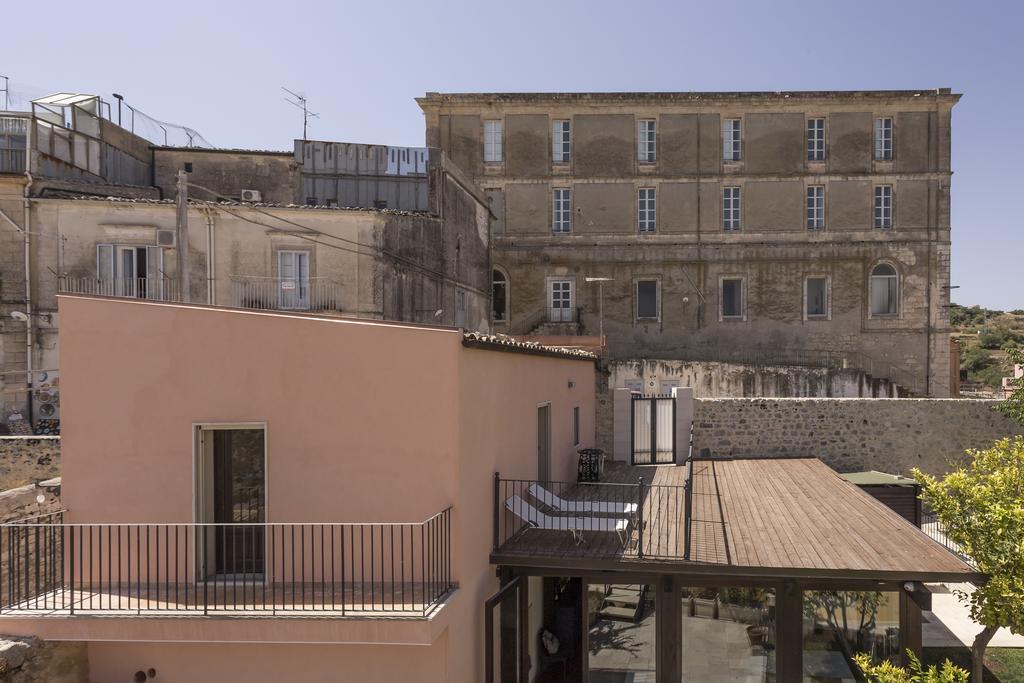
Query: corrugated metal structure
[[359, 175]]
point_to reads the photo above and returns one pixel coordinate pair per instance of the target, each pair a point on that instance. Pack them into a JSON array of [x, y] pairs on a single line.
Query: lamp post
[[600, 301]]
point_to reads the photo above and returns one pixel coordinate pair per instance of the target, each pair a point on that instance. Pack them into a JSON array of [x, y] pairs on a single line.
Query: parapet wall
[[851, 434]]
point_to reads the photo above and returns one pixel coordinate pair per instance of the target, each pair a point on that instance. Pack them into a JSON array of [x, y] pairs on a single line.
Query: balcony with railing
[[53, 568], [149, 288], [284, 294]]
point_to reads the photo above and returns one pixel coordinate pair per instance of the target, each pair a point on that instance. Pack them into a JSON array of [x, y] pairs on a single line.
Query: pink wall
[[365, 422]]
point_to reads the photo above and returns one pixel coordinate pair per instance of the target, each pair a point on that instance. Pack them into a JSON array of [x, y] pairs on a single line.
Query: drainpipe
[[211, 267], [30, 323]]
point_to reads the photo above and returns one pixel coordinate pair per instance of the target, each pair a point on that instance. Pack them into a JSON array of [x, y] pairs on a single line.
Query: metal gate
[[654, 430]]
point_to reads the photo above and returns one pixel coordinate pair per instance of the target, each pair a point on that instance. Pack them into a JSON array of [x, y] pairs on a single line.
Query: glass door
[[293, 279], [561, 309]]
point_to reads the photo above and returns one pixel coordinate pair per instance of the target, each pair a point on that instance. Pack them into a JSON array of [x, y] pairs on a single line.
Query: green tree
[[887, 672], [836, 607], [981, 508], [1013, 405]]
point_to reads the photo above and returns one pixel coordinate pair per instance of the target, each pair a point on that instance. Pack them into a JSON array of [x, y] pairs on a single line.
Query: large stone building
[[785, 227]]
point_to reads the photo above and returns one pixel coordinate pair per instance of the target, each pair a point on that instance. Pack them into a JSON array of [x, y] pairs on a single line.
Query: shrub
[[976, 359], [886, 672]]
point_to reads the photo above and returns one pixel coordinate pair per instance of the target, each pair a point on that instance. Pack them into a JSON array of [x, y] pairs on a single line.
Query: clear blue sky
[[218, 67]]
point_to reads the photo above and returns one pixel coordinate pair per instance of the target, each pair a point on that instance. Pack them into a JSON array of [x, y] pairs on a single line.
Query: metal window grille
[[815, 139], [731, 208], [883, 139], [647, 140], [732, 146], [561, 208], [492, 141], [883, 206], [646, 209], [561, 141], [815, 207]]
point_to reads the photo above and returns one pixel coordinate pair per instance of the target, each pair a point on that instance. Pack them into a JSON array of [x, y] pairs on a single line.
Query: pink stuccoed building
[[270, 497]]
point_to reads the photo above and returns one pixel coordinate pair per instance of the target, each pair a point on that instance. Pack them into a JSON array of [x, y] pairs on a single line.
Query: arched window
[[499, 296], [884, 290]]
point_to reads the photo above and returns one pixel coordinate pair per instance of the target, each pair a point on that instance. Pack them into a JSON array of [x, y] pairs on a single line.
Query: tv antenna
[[301, 103]]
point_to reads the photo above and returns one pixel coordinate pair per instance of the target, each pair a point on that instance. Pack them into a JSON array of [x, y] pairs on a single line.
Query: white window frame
[[732, 139], [561, 210], [883, 138], [815, 207], [722, 317], [827, 315], [646, 210], [732, 208], [647, 141], [883, 207], [112, 280], [494, 130], [561, 141], [565, 314], [816, 139], [293, 290], [898, 290], [657, 299]]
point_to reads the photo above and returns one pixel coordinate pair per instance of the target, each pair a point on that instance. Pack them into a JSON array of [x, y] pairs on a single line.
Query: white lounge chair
[[576, 524], [584, 507]]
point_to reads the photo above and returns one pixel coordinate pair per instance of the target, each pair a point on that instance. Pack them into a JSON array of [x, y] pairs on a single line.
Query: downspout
[[30, 323], [211, 267]]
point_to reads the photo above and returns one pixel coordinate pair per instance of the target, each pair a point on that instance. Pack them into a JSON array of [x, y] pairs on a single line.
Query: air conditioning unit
[[165, 238], [251, 196]]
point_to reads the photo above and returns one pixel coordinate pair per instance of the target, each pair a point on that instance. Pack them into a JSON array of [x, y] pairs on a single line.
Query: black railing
[[931, 525], [558, 518], [396, 569]]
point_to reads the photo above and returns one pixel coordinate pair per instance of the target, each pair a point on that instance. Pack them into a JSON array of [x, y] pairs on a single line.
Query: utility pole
[[182, 237], [7, 93], [600, 302]]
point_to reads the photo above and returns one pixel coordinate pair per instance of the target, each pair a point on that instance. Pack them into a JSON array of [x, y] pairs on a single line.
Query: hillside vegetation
[[985, 335]]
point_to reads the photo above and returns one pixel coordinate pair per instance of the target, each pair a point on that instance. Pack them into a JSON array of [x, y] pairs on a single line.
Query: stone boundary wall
[[851, 434], [25, 659], [28, 459]]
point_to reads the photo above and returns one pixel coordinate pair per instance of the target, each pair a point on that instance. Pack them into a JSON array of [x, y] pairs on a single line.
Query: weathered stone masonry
[[890, 435], [28, 459]]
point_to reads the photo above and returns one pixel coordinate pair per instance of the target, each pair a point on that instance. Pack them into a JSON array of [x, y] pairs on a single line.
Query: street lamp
[[600, 301]]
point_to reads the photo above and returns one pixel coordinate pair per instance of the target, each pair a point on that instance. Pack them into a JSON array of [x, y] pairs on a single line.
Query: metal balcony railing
[[151, 288], [284, 294], [262, 569]]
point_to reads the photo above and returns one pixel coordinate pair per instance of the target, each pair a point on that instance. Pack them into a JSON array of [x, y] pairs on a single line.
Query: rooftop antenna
[[7, 98], [301, 103]]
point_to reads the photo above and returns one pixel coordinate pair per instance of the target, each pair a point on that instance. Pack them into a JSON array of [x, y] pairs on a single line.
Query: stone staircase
[[624, 602]]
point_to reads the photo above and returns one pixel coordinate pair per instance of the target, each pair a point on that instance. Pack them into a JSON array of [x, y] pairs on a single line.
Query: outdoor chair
[[584, 507], [576, 524]]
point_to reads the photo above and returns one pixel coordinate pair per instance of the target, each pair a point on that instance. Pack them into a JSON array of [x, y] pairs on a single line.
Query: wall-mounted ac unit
[[251, 196], [165, 238]]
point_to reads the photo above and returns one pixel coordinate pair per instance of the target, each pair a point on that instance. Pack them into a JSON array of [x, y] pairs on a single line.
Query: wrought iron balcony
[[254, 569], [150, 288], [284, 294]]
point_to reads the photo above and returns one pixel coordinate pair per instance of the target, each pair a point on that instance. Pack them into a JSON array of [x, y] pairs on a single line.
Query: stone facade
[[26, 659], [849, 435], [26, 460], [688, 252]]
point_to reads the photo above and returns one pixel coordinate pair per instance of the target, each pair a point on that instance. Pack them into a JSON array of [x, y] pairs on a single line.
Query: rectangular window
[[732, 145], [883, 139], [815, 207], [131, 271], [561, 207], [732, 299], [560, 301], [815, 139], [576, 426], [646, 140], [816, 297], [647, 300], [293, 279], [731, 208], [492, 141], [883, 206], [647, 209], [561, 141]]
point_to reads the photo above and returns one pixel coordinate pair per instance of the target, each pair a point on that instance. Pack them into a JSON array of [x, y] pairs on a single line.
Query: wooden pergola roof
[[772, 517]]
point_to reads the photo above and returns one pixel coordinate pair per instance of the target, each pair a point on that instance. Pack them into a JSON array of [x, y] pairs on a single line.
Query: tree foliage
[[836, 607], [887, 672], [981, 509]]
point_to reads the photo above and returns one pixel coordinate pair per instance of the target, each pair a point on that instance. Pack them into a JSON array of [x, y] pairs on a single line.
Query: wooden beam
[[789, 632], [668, 630], [910, 626]]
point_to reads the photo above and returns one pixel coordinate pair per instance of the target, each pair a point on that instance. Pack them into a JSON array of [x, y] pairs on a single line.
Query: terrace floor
[[774, 514], [248, 599]]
